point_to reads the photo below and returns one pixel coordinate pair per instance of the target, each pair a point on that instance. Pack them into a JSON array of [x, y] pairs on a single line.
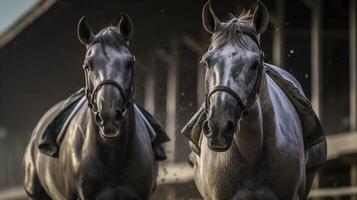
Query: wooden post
[[171, 116], [171, 107], [353, 82], [316, 184], [353, 64], [170, 59], [353, 175], [197, 47], [316, 70], [150, 92], [278, 35]]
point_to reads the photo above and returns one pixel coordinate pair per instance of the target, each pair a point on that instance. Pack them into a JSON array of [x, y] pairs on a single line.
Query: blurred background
[[41, 64]]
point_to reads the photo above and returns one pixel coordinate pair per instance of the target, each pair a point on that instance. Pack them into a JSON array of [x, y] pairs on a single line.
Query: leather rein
[[252, 98]]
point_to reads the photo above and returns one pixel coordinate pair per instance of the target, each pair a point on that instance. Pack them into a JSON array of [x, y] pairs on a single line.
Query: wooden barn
[[41, 64]]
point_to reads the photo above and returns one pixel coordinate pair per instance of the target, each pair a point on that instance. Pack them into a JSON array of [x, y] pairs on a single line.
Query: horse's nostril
[[118, 114], [206, 129], [108, 130], [230, 127]]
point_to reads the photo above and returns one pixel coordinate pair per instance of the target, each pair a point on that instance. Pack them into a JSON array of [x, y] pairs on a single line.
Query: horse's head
[[233, 72], [108, 68]]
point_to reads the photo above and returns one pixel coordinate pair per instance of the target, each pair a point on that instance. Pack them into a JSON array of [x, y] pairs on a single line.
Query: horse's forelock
[[110, 36], [229, 30]]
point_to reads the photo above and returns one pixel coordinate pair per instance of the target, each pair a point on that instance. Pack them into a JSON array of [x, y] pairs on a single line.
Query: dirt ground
[[179, 191]]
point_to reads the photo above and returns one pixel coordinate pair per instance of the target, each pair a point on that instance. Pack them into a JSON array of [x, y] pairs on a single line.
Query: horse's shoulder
[[277, 95], [281, 95], [283, 106]]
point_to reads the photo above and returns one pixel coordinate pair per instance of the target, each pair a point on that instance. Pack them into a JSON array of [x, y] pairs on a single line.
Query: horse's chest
[[216, 179], [221, 179], [234, 184], [132, 174]]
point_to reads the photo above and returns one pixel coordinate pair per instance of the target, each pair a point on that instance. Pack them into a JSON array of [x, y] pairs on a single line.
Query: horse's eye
[[130, 62], [254, 67], [129, 65]]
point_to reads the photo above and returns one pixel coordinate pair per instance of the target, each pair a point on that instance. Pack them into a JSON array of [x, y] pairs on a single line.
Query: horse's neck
[[116, 147], [257, 125]]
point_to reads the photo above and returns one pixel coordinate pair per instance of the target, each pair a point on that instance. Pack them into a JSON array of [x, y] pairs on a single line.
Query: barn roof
[[25, 20]]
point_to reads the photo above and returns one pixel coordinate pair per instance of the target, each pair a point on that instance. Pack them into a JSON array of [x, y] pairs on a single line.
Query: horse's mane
[[229, 30], [110, 36]]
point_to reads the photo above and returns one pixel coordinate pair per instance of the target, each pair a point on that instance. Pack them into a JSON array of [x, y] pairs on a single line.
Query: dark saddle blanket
[[312, 130], [51, 137]]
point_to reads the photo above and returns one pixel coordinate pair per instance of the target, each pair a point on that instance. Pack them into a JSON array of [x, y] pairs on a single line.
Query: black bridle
[[91, 94], [252, 98]]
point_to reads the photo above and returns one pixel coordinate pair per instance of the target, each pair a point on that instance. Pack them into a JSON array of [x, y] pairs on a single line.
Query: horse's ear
[[126, 27], [210, 22], [260, 18], [84, 32]]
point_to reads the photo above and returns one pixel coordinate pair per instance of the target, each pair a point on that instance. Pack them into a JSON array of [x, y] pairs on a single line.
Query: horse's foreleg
[[34, 189], [119, 193], [32, 183]]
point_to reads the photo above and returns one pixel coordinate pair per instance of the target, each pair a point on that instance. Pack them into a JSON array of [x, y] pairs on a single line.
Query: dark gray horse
[[106, 152], [253, 144]]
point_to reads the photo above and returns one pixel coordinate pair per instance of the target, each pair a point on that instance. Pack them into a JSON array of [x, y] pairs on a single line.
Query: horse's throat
[[257, 127], [118, 148], [249, 139]]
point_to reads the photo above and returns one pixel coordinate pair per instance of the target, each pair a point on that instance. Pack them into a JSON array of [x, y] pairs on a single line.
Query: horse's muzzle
[[216, 145], [109, 123], [109, 134], [219, 135]]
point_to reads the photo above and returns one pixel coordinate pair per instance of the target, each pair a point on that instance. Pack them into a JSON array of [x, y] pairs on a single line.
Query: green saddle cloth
[[312, 129], [51, 137]]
